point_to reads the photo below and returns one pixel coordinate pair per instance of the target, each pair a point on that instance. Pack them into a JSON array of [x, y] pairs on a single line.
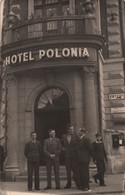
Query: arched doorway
[[51, 111]]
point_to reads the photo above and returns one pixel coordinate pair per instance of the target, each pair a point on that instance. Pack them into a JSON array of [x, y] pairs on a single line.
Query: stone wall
[[116, 159]]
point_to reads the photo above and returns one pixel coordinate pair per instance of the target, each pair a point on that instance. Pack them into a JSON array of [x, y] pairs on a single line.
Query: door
[[52, 111]]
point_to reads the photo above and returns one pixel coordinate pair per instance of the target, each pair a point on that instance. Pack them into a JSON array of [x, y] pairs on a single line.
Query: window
[[52, 25], [51, 12], [38, 12], [51, 7], [65, 10], [51, 1], [54, 97], [38, 2], [35, 30]]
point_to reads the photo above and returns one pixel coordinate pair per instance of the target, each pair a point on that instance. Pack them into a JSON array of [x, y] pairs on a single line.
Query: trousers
[[55, 165], [83, 168], [100, 171], [33, 167]]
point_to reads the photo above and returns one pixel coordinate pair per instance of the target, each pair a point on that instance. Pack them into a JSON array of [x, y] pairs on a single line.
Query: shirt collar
[[82, 136], [33, 141], [98, 141]]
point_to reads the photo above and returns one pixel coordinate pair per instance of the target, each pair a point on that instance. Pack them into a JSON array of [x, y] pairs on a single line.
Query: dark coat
[[84, 150], [99, 152], [32, 151], [2, 156], [70, 149], [52, 147]]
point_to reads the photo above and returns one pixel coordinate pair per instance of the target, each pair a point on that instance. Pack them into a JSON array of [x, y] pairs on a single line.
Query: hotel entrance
[[51, 111]]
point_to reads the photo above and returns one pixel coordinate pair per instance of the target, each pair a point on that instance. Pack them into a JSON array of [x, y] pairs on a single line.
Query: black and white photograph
[[62, 97]]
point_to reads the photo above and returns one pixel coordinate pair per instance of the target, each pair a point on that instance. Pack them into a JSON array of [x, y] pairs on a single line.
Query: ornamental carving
[[90, 71], [11, 79]]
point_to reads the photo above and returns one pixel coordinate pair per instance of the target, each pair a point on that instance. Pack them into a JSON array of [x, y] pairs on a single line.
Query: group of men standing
[[78, 151]]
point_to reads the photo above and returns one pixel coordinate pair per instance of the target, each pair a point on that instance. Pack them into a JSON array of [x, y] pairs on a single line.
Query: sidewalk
[[115, 185]]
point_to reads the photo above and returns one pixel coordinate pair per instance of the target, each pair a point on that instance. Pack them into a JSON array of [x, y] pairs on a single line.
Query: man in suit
[[2, 158], [32, 152], [52, 150], [99, 158], [69, 143], [84, 152]]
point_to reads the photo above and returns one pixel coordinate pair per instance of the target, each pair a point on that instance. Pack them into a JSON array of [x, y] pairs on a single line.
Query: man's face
[[81, 133], [33, 136], [98, 138], [52, 134], [71, 130]]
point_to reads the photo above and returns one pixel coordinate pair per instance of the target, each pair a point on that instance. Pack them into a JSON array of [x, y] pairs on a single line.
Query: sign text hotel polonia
[[48, 53]]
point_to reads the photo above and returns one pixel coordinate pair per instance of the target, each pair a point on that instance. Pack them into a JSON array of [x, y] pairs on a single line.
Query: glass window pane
[[65, 10], [38, 12], [51, 1], [51, 12], [37, 2], [52, 25], [53, 98]]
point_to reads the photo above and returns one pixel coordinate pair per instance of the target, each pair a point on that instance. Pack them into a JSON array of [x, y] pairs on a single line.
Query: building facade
[[62, 62]]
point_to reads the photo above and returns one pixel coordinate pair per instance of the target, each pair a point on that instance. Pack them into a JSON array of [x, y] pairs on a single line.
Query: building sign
[[48, 53], [116, 96], [118, 110]]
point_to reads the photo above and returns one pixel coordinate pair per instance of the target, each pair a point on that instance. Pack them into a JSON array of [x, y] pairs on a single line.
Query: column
[[30, 7], [72, 6], [91, 112], [12, 129]]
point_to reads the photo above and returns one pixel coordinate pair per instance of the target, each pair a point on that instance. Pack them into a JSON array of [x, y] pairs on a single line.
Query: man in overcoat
[[84, 152], [32, 152], [2, 158], [99, 158], [52, 150], [69, 143]]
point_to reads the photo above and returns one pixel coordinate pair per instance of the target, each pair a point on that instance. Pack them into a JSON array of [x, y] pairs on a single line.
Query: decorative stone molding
[[89, 6], [116, 75], [118, 104], [11, 79], [117, 89], [49, 77], [119, 119], [90, 71]]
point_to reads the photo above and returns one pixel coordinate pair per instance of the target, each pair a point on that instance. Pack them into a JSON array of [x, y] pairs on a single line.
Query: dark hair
[[68, 126], [32, 133], [51, 130], [83, 130], [97, 134]]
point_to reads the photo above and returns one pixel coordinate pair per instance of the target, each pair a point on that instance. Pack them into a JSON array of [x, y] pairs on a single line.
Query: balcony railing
[[45, 28]]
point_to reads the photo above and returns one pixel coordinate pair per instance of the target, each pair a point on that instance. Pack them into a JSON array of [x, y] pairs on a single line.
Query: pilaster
[[30, 7], [91, 115], [72, 6], [12, 167]]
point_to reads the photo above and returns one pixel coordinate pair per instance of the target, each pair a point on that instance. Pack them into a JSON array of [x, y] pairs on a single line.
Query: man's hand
[[64, 149], [52, 155], [95, 161]]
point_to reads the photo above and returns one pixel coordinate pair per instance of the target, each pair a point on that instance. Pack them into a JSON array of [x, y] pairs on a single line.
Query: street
[[114, 187]]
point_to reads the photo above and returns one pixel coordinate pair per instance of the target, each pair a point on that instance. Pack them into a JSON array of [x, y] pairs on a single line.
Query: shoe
[[29, 189], [47, 188], [37, 189], [95, 179], [102, 185], [58, 188], [67, 187], [86, 189]]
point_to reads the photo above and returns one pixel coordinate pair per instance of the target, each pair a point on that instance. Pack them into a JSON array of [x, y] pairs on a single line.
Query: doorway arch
[[52, 110]]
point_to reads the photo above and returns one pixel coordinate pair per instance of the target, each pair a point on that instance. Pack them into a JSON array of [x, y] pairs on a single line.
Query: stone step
[[43, 176], [22, 178]]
